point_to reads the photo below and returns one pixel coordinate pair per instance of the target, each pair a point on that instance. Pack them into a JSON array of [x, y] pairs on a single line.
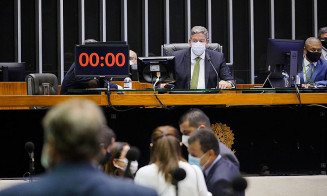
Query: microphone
[[209, 59], [132, 155], [29, 147], [178, 174]]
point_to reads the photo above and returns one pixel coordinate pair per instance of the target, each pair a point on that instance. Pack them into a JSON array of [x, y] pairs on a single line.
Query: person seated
[[72, 82], [314, 68], [72, 132], [116, 165], [198, 68], [165, 157]]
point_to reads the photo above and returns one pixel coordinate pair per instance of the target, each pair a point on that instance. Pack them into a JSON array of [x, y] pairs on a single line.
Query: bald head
[[312, 40]]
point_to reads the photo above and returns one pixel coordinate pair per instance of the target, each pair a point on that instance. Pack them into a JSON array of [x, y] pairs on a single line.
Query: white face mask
[[198, 48], [133, 167], [185, 140], [131, 62]]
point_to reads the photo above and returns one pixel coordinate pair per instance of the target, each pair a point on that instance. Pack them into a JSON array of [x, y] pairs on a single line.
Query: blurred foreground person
[[165, 158], [72, 135]]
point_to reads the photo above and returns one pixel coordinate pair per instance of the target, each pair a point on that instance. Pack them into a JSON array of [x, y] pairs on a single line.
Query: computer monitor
[[284, 55], [102, 59], [151, 67], [12, 72]]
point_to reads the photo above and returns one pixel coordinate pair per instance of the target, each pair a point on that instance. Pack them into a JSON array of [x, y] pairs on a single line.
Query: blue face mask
[[196, 161]]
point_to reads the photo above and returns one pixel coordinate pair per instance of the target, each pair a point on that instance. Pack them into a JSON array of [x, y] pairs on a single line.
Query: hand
[[224, 84]]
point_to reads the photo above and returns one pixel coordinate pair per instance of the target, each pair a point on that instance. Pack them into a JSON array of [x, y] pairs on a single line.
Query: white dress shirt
[[201, 81], [306, 66], [193, 184]]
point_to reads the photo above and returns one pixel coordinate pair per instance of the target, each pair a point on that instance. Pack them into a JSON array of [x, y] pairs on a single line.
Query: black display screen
[[102, 60]]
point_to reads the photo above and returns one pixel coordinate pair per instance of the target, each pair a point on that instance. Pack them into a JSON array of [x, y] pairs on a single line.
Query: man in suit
[[72, 132], [194, 65], [218, 171], [194, 120], [314, 68], [323, 38]]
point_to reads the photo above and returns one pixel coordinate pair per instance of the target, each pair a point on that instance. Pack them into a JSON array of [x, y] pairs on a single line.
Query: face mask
[[131, 62], [185, 140], [324, 43], [105, 158], [198, 48], [313, 56], [133, 168], [196, 161]]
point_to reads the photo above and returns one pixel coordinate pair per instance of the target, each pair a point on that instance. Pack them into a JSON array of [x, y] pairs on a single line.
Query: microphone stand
[[209, 59]]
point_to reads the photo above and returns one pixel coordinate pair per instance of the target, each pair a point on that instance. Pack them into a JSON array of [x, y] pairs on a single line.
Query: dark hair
[[109, 168], [196, 117], [165, 150], [322, 30], [207, 140], [106, 136]]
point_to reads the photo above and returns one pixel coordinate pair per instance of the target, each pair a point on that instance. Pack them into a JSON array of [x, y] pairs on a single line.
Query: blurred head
[[165, 149], [198, 40], [312, 49], [72, 132], [107, 140], [117, 162], [132, 57], [323, 37], [203, 146]]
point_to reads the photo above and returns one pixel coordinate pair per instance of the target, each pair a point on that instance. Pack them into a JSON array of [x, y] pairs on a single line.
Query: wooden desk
[[228, 99]]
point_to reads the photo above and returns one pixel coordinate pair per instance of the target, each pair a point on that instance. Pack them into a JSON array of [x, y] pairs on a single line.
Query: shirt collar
[[306, 62], [212, 164], [193, 56]]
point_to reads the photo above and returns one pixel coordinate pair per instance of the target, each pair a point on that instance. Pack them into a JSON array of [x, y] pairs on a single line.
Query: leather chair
[[167, 49], [34, 83]]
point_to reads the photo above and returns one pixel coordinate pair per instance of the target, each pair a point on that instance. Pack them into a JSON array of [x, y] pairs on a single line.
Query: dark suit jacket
[[183, 69], [71, 82], [69, 179], [220, 177], [319, 75]]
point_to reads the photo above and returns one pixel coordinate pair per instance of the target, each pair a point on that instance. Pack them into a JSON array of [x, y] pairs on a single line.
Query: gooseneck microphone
[[132, 155], [29, 147], [209, 59], [178, 174]]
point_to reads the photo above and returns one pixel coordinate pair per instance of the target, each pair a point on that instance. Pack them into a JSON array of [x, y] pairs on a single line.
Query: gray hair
[[199, 29], [195, 117], [75, 127], [322, 30], [89, 41]]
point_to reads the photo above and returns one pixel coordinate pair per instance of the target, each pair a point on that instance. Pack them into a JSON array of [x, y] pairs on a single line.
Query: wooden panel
[[13, 88], [232, 99], [135, 84]]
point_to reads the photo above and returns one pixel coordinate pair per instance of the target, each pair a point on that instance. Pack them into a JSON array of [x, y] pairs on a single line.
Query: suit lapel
[[316, 71], [187, 68], [206, 69]]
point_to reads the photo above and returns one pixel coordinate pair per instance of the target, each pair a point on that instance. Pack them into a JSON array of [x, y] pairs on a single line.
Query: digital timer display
[[102, 60]]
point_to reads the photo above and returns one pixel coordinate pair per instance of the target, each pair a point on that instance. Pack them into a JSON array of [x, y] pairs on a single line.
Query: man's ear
[[202, 126], [190, 42], [211, 152]]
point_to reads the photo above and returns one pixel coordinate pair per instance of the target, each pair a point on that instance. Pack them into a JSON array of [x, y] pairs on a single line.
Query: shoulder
[[225, 168], [180, 52], [323, 61], [146, 172], [214, 54]]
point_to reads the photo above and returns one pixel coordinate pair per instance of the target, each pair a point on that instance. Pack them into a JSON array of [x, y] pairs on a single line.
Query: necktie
[[195, 76], [309, 73]]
